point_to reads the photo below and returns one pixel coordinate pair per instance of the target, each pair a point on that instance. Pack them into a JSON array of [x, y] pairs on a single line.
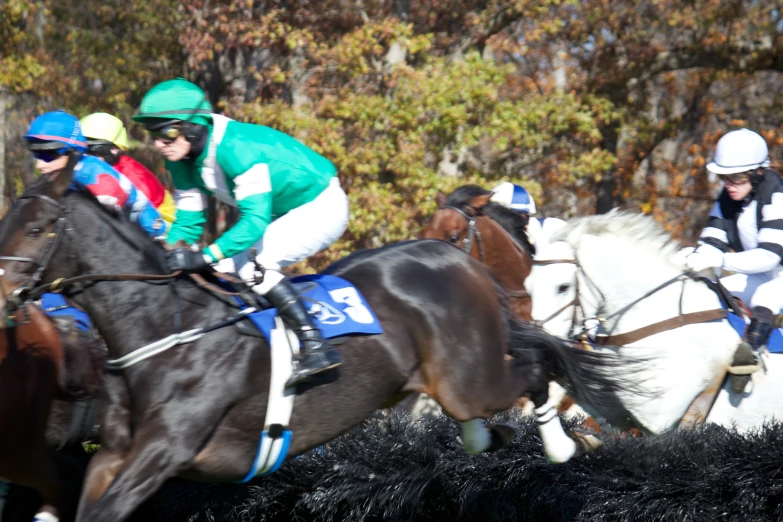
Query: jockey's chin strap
[[599, 315]]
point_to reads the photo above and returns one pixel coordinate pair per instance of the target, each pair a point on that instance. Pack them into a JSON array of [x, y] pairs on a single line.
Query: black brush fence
[[392, 468]]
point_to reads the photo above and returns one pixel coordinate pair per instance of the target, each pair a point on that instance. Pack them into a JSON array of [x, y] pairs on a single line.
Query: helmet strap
[[103, 150]]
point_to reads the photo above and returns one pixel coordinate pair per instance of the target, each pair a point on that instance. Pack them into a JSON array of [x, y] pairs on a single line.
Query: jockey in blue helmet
[[515, 197], [55, 136]]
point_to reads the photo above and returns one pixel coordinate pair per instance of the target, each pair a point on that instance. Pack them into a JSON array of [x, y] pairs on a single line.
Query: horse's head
[[452, 221], [552, 285], [29, 235]]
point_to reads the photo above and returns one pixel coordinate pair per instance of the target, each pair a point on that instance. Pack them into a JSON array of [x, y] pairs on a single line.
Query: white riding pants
[[764, 289], [302, 232]]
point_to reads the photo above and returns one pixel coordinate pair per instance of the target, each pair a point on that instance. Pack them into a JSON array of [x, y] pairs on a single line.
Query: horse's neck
[[127, 314], [625, 273], [504, 246]]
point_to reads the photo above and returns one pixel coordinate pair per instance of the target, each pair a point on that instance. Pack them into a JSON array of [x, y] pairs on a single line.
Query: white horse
[[600, 270]]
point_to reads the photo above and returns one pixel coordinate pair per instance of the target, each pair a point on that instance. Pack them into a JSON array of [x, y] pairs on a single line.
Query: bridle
[[474, 234], [576, 302], [34, 289], [600, 316], [19, 296]]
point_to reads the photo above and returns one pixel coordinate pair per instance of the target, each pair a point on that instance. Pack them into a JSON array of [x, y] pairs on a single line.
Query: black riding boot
[[746, 358], [316, 354]]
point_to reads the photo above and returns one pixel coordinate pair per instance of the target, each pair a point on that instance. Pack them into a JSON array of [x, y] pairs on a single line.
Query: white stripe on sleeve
[[714, 233], [191, 200], [774, 209], [254, 181], [771, 235]]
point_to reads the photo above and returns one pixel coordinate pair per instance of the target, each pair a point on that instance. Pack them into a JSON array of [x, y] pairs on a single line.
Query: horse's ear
[[480, 202], [61, 179], [440, 198]]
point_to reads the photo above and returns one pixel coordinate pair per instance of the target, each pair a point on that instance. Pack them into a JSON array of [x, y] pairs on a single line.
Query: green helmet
[[176, 99]]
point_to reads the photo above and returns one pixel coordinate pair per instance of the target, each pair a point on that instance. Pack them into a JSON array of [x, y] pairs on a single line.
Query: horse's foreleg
[[101, 471], [559, 446], [127, 482]]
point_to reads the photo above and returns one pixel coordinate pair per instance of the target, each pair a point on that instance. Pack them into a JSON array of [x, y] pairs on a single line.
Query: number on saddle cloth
[[337, 307], [55, 305]]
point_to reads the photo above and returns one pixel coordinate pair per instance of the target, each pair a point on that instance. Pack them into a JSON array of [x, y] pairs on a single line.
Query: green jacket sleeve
[[191, 215], [255, 214]]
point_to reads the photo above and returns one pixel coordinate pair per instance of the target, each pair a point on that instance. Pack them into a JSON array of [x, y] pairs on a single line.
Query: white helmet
[[739, 151], [514, 197]]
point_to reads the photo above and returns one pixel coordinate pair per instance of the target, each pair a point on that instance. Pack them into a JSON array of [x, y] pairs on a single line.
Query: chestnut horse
[[491, 233], [30, 363], [50, 376]]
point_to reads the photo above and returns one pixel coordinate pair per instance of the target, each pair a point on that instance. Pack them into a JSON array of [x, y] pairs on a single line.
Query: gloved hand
[[186, 260], [681, 255], [699, 261]]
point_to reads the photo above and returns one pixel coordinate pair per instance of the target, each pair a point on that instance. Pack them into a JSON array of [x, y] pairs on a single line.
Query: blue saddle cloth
[[55, 305], [775, 341], [337, 307]]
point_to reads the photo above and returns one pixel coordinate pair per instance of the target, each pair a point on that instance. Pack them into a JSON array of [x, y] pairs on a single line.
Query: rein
[[634, 335], [475, 233]]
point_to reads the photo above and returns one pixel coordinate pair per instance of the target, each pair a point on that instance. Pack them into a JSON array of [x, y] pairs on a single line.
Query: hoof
[[739, 383], [501, 435], [585, 443]]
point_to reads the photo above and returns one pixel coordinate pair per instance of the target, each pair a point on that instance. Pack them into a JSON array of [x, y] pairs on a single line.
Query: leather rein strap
[[640, 333], [661, 326]]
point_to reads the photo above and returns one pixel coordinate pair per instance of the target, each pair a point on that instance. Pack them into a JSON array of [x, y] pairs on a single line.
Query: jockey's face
[[174, 150], [738, 186], [51, 166]]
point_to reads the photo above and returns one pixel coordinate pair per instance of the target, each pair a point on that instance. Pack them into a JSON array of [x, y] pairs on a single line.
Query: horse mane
[[133, 233], [510, 220], [636, 227]]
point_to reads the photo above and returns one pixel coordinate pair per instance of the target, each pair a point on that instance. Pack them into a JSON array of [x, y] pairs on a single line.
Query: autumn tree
[[589, 104]]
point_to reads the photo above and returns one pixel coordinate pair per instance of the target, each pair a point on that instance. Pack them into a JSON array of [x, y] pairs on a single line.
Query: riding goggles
[[166, 134], [737, 179], [47, 156]]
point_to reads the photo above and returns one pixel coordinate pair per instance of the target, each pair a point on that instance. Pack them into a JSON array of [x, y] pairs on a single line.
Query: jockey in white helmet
[[515, 197], [744, 235]]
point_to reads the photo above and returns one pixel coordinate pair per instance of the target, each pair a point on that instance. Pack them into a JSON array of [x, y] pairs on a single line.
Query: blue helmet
[[514, 197], [57, 127]]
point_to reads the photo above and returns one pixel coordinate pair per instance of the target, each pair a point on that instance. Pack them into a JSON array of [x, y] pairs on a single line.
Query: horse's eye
[[563, 288], [454, 238], [34, 232]]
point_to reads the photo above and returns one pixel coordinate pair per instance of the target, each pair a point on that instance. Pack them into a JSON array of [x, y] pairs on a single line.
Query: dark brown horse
[[489, 232], [197, 411], [50, 377]]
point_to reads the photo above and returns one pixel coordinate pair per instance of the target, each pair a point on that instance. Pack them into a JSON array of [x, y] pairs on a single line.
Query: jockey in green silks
[[290, 202]]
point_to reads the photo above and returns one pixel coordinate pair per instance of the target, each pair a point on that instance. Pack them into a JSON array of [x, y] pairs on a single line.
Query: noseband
[[575, 302]]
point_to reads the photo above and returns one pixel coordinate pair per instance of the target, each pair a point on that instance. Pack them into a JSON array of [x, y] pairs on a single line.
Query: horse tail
[[590, 377]]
